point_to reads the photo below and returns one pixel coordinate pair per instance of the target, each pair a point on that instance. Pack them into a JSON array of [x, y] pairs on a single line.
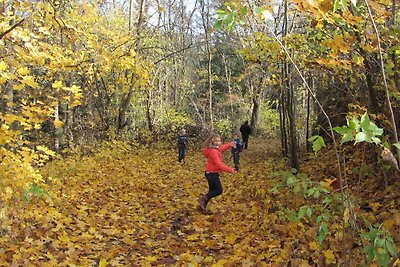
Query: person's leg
[[214, 185], [214, 189], [236, 160], [245, 141], [181, 153]]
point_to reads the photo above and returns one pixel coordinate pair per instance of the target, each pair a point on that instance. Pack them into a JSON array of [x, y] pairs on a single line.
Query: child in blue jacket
[[182, 143], [236, 150]]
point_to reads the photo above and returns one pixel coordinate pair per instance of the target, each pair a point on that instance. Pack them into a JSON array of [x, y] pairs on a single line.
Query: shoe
[[203, 200]]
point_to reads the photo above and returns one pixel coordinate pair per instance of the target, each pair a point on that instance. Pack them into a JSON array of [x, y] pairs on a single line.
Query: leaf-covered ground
[[138, 207]]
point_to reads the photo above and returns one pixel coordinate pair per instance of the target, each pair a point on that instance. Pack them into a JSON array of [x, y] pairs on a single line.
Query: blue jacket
[[239, 146], [182, 140]]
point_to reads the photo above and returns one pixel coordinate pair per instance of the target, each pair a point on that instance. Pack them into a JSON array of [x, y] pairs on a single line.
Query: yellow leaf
[[57, 85], [103, 263], [231, 239], [193, 237], [375, 206], [23, 71], [220, 263], [313, 245], [46, 150], [329, 257], [18, 87], [3, 66], [29, 81], [8, 76], [388, 224], [9, 193], [58, 124]]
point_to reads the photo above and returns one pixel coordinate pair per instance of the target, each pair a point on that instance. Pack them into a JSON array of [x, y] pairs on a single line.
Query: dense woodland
[[318, 79]]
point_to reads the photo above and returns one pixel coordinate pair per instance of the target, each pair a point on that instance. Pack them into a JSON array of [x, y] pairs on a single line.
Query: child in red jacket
[[212, 150]]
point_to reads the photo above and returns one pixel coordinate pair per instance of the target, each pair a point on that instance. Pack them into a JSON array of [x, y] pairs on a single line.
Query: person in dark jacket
[[245, 129], [212, 150], [236, 149], [182, 144]]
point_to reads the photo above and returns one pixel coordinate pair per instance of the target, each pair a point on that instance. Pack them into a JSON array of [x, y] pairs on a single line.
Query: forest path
[[139, 208]]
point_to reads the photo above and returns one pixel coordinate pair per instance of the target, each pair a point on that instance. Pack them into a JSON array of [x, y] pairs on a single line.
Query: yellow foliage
[[58, 124], [329, 256]]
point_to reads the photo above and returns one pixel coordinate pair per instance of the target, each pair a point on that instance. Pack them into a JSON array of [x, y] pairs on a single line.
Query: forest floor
[[138, 207]]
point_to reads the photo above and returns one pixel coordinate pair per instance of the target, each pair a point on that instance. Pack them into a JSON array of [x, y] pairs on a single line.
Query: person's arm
[[226, 146]]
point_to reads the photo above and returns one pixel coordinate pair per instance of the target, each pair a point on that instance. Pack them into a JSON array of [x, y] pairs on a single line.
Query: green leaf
[[318, 144], [365, 121], [229, 19], [383, 259], [302, 212], [258, 10], [371, 235], [369, 250], [380, 242], [347, 137], [341, 130], [310, 192], [336, 5], [391, 248], [322, 230], [361, 137], [218, 25], [289, 181], [296, 188], [397, 145], [321, 218], [354, 124], [309, 212], [344, 4], [243, 11], [376, 140], [312, 138]]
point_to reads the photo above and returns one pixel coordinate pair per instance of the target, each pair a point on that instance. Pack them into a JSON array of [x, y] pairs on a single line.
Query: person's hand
[[234, 171]]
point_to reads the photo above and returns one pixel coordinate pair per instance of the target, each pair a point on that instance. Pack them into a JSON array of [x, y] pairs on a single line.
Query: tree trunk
[[205, 14], [282, 122], [311, 81], [294, 162], [255, 115], [126, 98], [228, 82]]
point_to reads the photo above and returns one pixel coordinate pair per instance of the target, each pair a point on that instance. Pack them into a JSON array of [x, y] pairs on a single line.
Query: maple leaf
[[23, 71], [58, 124], [329, 256], [231, 238], [28, 80], [3, 66], [313, 245], [103, 263], [57, 85]]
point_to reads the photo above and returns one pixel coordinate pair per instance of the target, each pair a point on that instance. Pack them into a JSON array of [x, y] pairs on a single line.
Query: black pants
[[182, 151], [214, 184], [245, 141]]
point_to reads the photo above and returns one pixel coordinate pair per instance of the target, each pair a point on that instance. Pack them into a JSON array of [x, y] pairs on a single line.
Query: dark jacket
[[245, 129], [182, 140], [239, 146]]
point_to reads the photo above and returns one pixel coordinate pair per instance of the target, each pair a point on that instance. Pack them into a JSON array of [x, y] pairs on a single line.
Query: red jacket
[[214, 159]]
